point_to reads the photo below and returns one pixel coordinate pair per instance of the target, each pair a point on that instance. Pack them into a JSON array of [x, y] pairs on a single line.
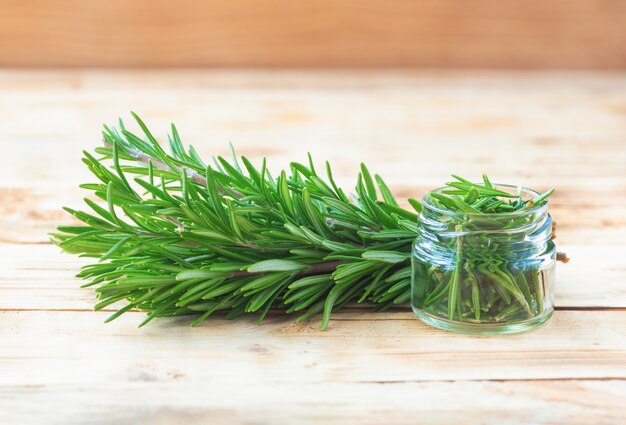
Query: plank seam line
[[4, 241], [500, 380], [421, 381]]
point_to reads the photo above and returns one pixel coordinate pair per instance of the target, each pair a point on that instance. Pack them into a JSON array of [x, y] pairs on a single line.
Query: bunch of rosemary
[[176, 235]]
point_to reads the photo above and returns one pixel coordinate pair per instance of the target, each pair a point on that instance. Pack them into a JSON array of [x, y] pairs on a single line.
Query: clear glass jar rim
[[426, 202]]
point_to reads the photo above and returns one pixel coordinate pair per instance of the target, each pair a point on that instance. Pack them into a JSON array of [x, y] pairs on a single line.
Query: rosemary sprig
[[175, 235]]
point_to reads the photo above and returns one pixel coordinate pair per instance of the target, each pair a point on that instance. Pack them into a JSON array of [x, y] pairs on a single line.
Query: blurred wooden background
[[505, 34]]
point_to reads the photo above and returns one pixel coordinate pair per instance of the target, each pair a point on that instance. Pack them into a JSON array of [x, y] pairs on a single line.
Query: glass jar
[[484, 273]]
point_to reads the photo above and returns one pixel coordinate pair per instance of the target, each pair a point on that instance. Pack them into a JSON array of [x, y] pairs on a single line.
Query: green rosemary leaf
[[118, 313], [312, 213], [539, 199], [399, 275], [311, 165], [328, 306], [446, 202], [417, 205], [385, 192], [115, 248], [482, 190], [310, 280], [397, 211], [275, 265], [340, 195], [369, 183], [263, 282], [301, 169], [99, 210], [261, 298], [472, 196], [285, 194], [393, 257], [196, 274], [210, 236]]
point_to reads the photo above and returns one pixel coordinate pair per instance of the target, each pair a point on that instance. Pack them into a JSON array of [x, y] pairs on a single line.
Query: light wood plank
[[76, 348], [171, 399]]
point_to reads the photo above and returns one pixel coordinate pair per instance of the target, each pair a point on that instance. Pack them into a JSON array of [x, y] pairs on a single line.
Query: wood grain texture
[[359, 347], [312, 33], [60, 364], [167, 401], [366, 369]]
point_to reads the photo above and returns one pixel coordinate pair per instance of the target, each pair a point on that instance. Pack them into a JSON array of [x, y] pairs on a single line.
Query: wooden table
[[60, 364]]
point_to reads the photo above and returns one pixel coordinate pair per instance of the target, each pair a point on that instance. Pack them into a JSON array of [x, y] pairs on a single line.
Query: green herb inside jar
[[483, 261]]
